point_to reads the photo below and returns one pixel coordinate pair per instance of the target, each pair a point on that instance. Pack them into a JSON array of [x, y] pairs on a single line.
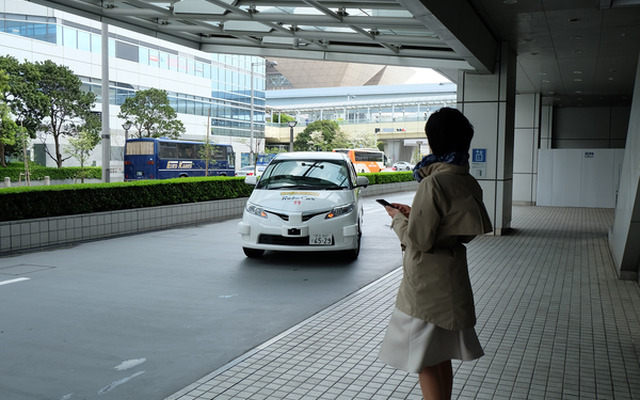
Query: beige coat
[[447, 211]]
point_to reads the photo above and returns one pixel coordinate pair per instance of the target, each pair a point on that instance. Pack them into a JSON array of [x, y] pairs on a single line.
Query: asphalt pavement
[[143, 316]]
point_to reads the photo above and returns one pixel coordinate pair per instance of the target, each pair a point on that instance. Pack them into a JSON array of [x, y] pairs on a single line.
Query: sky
[[427, 75]]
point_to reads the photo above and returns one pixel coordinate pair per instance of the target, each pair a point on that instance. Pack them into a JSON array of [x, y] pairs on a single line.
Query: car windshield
[[305, 174]]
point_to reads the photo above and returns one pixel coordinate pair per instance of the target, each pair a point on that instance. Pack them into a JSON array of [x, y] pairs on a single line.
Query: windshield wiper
[[304, 186], [336, 187]]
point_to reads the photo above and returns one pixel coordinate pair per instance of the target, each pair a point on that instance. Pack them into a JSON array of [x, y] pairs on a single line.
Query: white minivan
[[304, 201]]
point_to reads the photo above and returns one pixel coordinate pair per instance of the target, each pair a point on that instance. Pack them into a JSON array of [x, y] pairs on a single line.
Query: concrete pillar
[[489, 103], [546, 127], [525, 148], [47, 181], [7, 182], [625, 233]]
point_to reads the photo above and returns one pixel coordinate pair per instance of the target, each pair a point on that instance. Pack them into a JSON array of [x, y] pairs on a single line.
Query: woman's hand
[[401, 208]]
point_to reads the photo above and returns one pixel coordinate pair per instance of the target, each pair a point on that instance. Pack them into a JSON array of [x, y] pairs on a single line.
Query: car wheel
[[352, 255], [252, 253]]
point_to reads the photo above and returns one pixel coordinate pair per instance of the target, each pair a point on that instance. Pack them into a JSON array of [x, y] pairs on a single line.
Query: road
[[140, 317]]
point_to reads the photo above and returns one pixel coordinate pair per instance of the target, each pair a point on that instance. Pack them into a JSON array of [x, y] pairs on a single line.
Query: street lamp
[[267, 63], [126, 126], [291, 125]]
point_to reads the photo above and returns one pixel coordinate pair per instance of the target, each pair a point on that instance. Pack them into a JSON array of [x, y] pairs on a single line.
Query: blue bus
[[264, 159], [149, 158]]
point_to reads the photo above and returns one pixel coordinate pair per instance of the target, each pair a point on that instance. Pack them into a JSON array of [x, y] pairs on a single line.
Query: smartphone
[[385, 203]]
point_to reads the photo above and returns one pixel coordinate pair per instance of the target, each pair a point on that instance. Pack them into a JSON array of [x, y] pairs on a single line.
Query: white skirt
[[411, 344]]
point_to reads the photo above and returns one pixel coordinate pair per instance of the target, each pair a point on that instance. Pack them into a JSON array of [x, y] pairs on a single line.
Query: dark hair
[[448, 130]]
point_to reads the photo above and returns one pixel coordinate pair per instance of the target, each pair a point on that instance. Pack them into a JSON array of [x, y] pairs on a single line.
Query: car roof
[[311, 155]]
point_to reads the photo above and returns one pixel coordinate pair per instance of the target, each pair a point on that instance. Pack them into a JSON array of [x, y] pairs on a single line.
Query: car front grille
[[305, 217], [284, 240]]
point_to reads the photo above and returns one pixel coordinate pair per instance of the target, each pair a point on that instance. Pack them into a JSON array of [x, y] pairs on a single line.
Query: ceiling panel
[[551, 38]]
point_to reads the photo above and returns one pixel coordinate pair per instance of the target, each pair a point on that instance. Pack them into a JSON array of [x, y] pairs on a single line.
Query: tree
[[206, 152], [23, 98], [81, 146], [151, 114], [323, 135], [8, 127], [281, 118], [67, 108]]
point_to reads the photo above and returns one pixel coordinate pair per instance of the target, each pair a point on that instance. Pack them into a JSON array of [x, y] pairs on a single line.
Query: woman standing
[[434, 316]]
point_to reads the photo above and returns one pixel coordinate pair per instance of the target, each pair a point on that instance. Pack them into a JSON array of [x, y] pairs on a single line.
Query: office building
[[205, 89]]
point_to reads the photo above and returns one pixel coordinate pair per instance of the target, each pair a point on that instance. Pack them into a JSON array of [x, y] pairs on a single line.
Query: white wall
[[579, 177]]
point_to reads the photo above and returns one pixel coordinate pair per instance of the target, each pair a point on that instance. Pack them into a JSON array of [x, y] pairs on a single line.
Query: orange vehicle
[[365, 160]]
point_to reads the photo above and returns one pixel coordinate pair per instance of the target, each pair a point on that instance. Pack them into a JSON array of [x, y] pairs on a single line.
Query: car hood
[[301, 200]]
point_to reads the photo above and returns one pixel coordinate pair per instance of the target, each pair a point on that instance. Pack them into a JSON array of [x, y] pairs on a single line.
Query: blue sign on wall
[[479, 155]]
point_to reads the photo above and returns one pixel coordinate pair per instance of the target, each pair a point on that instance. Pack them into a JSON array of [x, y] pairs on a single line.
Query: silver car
[[304, 201], [402, 166]]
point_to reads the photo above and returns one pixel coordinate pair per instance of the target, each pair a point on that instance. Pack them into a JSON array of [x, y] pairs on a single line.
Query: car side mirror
[[362, 181], [251, 180]]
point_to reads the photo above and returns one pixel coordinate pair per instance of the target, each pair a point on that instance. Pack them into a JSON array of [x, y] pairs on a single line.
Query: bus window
[[167, 150], [139, 148]]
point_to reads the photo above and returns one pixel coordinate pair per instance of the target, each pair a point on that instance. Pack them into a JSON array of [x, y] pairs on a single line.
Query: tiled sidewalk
[[554, 320]]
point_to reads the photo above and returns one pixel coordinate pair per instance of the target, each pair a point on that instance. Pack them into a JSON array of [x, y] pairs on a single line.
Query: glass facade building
[[226, 106]]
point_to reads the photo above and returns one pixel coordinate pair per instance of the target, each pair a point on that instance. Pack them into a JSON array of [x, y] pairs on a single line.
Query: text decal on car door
[[298, 197], [299, 193]]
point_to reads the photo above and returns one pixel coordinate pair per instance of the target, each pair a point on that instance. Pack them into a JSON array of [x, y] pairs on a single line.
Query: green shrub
[[38, 172], [388, 177], [50, 201]]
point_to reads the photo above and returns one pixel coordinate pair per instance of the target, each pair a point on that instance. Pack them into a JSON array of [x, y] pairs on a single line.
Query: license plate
[[320, 240]]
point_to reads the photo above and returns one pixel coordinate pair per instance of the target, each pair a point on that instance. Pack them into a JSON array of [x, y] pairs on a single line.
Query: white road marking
[[112, 385], [13, 281], [130, 364]]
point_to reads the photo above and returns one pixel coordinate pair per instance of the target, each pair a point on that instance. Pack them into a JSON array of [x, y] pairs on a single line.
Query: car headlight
[[255, 210], [340, 211]]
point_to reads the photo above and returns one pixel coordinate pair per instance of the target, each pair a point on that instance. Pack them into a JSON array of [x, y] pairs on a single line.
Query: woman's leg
[[446, 375], [436, 381]]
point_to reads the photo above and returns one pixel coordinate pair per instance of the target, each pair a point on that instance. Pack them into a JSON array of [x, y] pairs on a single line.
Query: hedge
[[56, 200], [50, 201], [38, 172]]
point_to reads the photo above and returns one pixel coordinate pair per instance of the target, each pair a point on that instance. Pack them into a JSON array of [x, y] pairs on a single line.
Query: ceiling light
[[577, 79], [577, 72], [578, 91], [510, 1]]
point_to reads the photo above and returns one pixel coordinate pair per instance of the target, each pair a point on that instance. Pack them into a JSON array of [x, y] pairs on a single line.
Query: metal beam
[[458, 25]]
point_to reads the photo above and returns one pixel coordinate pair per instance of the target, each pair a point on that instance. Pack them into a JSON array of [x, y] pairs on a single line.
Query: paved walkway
[[554, 320]]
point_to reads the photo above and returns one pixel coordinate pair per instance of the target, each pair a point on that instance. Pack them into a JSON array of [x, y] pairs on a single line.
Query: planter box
[[24, 235]]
